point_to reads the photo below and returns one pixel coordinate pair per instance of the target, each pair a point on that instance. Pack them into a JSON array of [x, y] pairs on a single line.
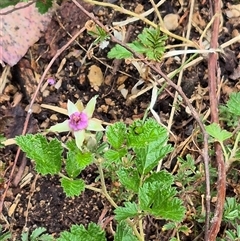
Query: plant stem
[[103, 184], [105, 193]]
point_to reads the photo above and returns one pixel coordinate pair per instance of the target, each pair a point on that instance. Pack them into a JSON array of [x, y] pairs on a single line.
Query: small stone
[[171, 21], [54, 117]]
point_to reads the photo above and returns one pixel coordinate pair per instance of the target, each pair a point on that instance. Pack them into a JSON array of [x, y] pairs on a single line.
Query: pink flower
[[51, 81], [80, 120]]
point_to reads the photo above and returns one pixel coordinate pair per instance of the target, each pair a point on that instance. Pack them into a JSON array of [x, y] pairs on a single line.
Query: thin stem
[[105, 193], [103, 184]]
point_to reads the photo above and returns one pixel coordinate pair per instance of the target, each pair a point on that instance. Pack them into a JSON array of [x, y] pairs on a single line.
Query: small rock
[[171, 21]]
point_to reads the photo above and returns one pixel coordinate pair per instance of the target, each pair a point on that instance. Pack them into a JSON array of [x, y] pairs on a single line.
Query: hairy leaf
[[129, 211], [124, 233], [234, 103], [215, 131], [116, 134], [72, 187], [80, 233], [76, 160], [47, 155]]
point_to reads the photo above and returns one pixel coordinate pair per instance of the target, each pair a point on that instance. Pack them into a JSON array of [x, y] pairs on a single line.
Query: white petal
[[90, 107], [79, 138], [95, 125], [71, 108], [61, 127]]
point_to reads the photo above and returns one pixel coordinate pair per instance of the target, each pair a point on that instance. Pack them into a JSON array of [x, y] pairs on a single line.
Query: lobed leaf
[[47, 155], [76, 160], [116, 134], [119, 52], [215, 131], [234, 103], [129, 211], [142, 133], [159, 200], [124, 233], [130, 179], [72, 187], [80, 233]]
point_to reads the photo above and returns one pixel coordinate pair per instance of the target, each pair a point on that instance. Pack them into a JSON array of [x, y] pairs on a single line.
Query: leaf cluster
[[150, 43], [152, 192]]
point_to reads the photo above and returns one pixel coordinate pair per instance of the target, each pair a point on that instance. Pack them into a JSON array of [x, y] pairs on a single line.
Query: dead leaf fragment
[[233, 11], [95, 76]]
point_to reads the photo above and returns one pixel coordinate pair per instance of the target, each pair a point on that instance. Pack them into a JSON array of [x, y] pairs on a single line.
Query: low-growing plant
[[131, 152]]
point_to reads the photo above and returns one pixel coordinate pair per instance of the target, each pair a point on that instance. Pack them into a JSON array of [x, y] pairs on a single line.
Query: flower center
[[78, 121]]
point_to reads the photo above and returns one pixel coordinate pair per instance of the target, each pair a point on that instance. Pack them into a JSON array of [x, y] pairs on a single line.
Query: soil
[[40, 201]]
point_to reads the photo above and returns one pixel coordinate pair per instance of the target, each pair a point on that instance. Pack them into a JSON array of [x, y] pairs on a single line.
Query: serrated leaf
[[124, 233], [160, 177], [72, 187], [129, 211], [234, 103], [37, 232], [47, 155], [79, 233], [119, 52], [215, 131], [160, 202], [115, 156], [76, 160], [116, 134], [149, 156], [142, 133], [129, 178]]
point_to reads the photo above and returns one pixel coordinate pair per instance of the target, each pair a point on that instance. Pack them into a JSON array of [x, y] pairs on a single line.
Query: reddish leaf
[[20, 29]]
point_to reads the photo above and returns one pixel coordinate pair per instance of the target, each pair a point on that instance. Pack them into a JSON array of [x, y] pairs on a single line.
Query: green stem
[[105, 193]]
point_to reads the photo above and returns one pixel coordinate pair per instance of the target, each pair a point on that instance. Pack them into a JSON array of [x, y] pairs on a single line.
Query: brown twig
[[30, 109], [213, 80], [182, 94]]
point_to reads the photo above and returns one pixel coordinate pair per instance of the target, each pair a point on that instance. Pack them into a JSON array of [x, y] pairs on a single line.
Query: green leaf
[[148, 157], [4, 236], [72, 187], [6, 3], [234, 103], [115, 156], [76, 160], [142, 133], [119, 52], [38, 234], [124, 233], [47, 155], [44, 5], [162, 177], [129, 211], [215, 131], [158, 200], [116, 134], [129, 178], [79, 233]]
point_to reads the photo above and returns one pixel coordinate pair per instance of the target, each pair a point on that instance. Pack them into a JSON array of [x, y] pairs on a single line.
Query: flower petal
[[90, 107], [71, 108], [79, 138], [79, 105], [61, 127], [95, 125]]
